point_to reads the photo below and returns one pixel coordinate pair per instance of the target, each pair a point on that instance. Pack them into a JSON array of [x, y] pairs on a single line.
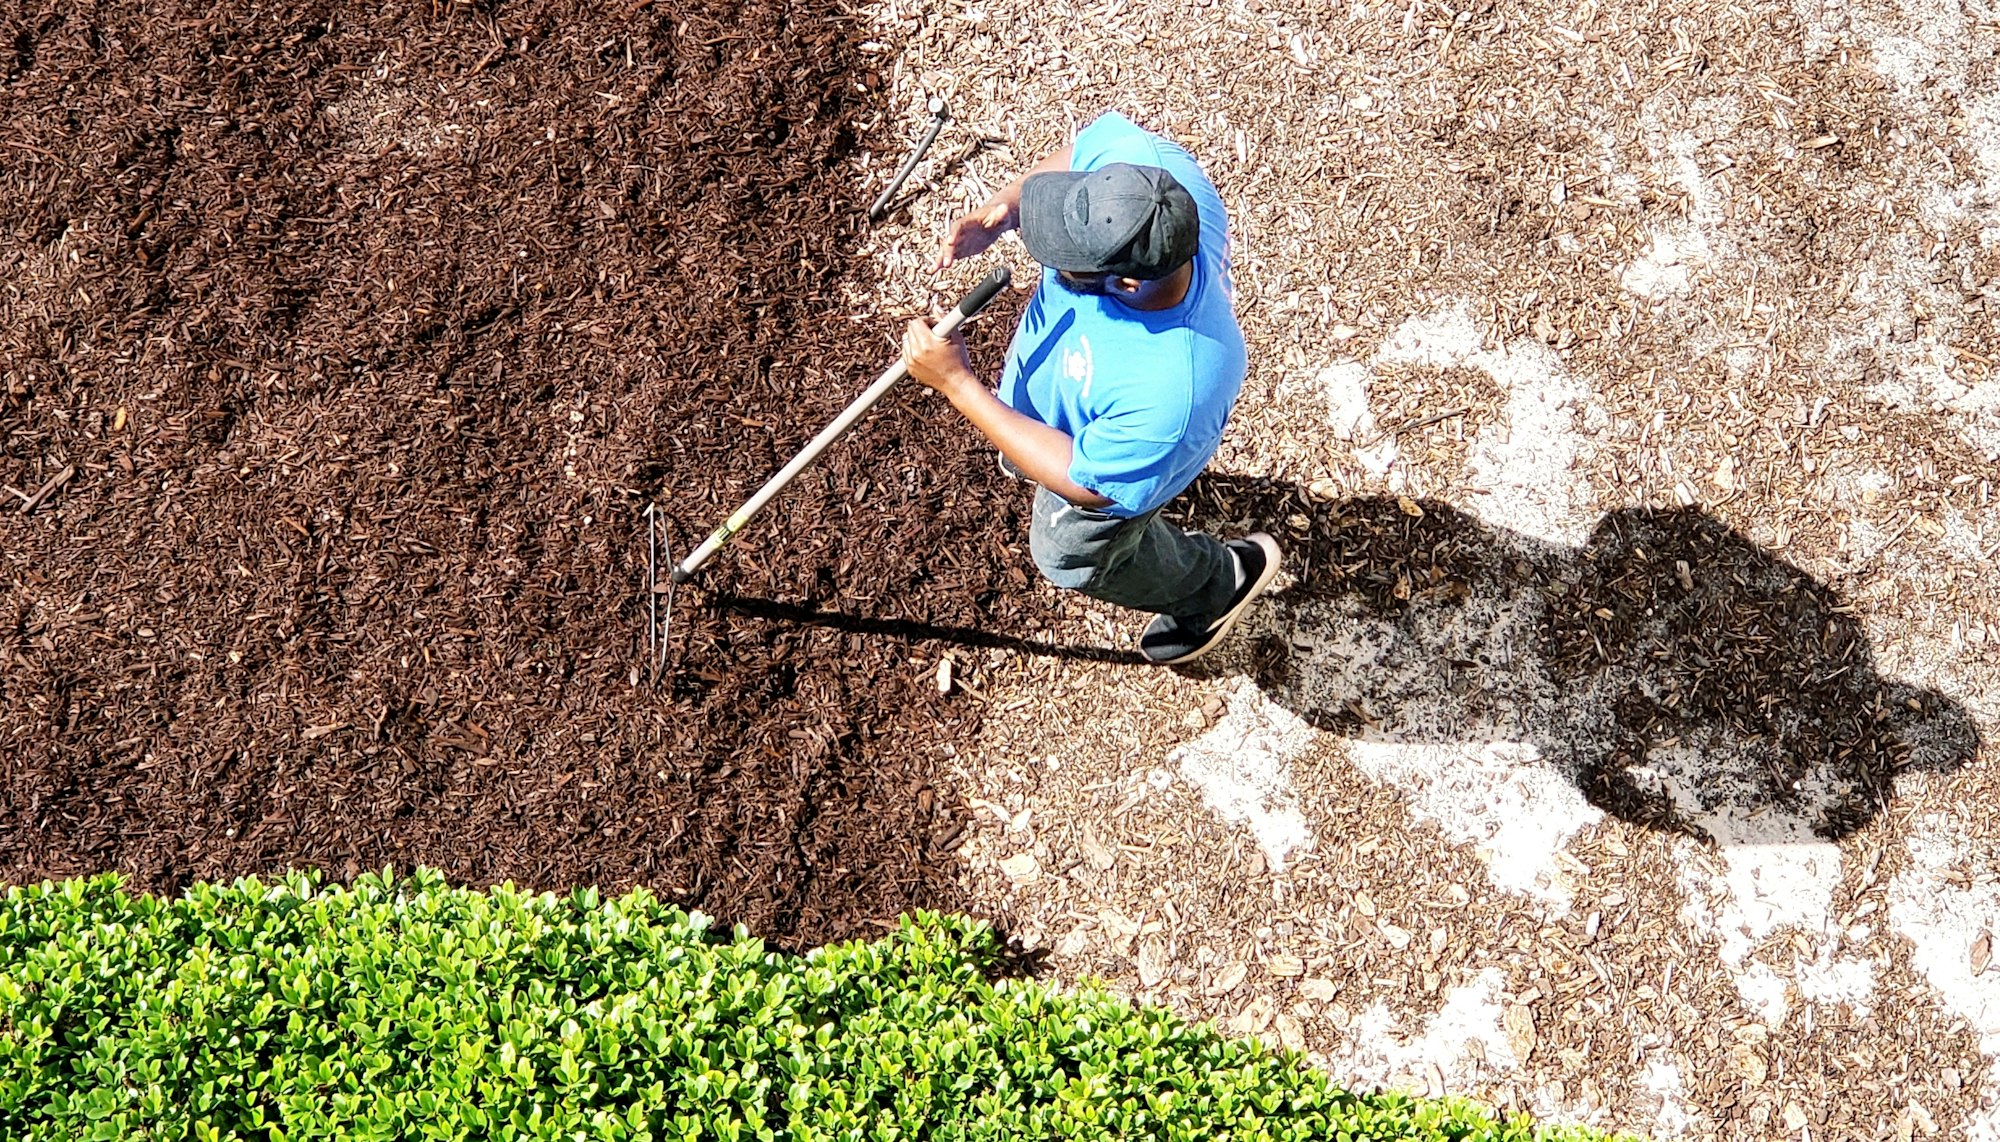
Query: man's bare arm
[[1041, 452], [972, 233]]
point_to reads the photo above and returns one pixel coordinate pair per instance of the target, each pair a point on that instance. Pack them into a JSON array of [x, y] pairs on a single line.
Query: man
[[1119, 380]]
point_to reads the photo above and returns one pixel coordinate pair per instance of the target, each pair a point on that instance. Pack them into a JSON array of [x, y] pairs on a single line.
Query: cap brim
[[1045, 225]]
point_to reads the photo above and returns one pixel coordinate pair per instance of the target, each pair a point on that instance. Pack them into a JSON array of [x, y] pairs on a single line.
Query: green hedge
[[408, 1009]]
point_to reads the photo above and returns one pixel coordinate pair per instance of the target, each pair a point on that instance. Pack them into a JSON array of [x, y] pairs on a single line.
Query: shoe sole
[[1223, 625]]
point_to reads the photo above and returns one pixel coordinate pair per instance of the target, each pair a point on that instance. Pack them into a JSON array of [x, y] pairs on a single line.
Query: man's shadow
[[1682, 677]]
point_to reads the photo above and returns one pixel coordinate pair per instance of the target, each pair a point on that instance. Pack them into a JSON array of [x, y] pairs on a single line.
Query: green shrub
[[408, 1009]]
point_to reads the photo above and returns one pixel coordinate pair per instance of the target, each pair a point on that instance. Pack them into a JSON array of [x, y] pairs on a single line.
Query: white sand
[[1242, 766], [1943, 919]]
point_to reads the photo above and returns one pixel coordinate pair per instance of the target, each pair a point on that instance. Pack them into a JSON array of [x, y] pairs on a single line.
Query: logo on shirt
[[1076, 366]]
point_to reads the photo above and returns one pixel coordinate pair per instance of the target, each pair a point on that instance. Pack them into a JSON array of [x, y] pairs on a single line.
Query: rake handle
[[984, 292]]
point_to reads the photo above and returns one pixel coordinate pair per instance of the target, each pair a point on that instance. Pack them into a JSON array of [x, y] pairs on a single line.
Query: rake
[[975, 301], [658, 625]]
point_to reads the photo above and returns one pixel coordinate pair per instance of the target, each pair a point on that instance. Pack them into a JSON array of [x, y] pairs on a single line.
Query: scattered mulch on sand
[[1711, 283], [365, 334]]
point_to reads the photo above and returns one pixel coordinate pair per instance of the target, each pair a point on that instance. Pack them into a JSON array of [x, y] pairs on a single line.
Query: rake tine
[[666, 632], [652, 583], [666, 622]]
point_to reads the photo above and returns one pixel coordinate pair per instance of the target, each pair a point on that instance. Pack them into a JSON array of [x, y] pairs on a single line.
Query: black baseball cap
[[1122, 219]]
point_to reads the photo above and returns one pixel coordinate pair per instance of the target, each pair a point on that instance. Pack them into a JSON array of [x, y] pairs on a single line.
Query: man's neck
[[1165, 293]]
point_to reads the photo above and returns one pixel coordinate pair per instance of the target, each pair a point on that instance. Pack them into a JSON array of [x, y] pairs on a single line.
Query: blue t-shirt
[[1144, 395]]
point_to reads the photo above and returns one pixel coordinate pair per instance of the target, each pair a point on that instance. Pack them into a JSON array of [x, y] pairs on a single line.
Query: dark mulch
[[367, 331]]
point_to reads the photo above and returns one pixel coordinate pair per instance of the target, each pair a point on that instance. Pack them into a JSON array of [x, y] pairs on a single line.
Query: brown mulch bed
[[366, 333]]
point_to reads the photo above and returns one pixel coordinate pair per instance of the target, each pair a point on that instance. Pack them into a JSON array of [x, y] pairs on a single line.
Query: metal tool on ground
[[975, 301], [658, 625], [938, 117]]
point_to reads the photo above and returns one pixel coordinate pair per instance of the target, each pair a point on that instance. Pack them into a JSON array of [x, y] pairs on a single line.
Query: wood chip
[[1750, 1064], [1096, 853], [1725, 474], [1519, 1025], [1291, 1033], [1226, 978], [1117, 923], [1022, 868], [1255, 1016], [1284, 966], [1982, 952]]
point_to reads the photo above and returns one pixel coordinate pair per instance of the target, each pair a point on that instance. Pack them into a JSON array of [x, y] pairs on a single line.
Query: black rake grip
[[988, 288]]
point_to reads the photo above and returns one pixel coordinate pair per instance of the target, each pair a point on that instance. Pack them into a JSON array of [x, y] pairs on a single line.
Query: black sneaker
[[1169, 642]]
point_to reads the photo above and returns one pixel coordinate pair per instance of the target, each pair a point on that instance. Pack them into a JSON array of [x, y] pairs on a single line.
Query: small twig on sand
[[1433, 418], [1398, 429]]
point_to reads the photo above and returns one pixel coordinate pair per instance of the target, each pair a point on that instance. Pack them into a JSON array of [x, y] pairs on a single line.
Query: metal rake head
[[659, 614]]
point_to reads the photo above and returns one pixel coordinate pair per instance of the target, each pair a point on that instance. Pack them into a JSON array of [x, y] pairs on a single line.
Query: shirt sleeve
[[1123, 458]]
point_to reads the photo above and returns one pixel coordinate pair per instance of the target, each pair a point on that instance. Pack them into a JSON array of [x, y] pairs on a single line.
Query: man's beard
[[1092, 287]]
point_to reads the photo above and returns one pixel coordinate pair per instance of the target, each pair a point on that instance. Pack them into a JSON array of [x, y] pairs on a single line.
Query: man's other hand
[[936, 362], [973, 233]]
